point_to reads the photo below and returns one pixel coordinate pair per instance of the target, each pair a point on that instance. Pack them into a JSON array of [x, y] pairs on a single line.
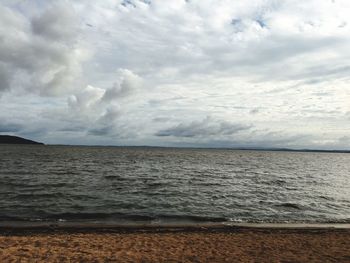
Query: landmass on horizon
[[9, 139]]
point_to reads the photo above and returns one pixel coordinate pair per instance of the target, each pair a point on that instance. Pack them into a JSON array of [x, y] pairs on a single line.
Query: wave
[[151, 219], [172, 185], [290, 205], [116, 217]]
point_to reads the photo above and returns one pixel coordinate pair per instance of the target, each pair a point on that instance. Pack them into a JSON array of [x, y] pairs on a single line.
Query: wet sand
[[174, 244]]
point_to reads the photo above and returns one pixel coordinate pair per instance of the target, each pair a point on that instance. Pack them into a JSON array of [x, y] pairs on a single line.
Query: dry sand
[[175, 245]]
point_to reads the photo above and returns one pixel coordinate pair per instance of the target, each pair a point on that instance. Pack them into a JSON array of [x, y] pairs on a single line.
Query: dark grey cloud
[[128, 3], [254, 111], [102, 131], [205, 127], [4, 78], [7, 127]]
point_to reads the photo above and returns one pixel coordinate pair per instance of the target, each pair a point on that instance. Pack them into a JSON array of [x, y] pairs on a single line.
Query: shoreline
[[71, 228]]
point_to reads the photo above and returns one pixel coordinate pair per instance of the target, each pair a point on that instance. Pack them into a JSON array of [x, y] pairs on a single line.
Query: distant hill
[[7, 139]]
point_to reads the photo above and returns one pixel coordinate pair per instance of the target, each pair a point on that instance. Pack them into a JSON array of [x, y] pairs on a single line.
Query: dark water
[[111, 184]]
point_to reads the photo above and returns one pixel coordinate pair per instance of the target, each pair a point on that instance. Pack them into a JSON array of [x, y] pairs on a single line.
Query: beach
[[174, 244]]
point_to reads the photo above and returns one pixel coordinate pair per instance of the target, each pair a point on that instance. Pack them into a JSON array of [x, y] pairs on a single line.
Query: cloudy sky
[[264, 73]]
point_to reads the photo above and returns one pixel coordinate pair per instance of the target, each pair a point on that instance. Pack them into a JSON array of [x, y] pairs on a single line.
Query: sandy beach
[[179, 244]]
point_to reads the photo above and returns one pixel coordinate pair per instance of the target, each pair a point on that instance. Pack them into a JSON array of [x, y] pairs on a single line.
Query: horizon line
[[243, 148]]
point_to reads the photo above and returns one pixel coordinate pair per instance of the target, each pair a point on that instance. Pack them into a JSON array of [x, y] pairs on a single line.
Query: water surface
[[132, 184]]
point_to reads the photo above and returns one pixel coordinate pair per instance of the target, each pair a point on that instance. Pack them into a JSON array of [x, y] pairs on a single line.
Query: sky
[[196, 73]]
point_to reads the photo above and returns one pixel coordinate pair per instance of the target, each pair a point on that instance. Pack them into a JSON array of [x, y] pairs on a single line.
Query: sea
[[43, 183]]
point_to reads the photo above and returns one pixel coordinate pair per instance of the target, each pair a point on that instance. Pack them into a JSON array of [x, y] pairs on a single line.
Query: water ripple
[[156, 184]]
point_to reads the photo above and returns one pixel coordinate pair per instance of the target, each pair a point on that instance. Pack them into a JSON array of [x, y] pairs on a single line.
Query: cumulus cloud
[[86, 99], [58, 23], [126, 86], [91, 98], [106, 123], [42, 53], [104, 107], [149, 72]]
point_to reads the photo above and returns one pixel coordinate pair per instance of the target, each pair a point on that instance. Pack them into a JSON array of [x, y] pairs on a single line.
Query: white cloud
[[86, 98], [58, 23], [104, 108], [127, 85], [41, 53], [134, 69]]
